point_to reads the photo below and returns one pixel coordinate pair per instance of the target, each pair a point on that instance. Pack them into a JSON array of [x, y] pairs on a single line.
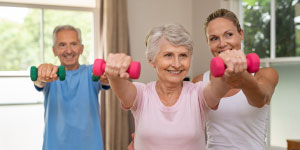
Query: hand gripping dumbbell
[[61, 73], [134, 69], [217, 65]]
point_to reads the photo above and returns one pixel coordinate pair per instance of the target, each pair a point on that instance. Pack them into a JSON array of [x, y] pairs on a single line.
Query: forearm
[[124, 90], [214, 91], [255, 92]]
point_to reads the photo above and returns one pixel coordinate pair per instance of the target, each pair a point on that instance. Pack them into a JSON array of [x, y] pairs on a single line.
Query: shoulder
[[267, 73], [194, 86], [198, 78]]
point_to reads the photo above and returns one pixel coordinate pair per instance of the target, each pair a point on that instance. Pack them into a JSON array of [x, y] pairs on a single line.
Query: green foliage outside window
[[20, 40], [257, 27]]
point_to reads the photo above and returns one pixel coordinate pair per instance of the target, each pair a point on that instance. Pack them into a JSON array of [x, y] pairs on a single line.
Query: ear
[[54, 51], [151, 63], [242, 34], [81, 49]]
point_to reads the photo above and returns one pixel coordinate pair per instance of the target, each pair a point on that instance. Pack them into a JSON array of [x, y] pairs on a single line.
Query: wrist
[[39, 84]]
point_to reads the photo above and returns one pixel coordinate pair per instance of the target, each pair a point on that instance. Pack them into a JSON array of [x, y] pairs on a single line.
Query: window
[[26, 38], [24, 43], [272, 30], [258, 26], [26, 28]]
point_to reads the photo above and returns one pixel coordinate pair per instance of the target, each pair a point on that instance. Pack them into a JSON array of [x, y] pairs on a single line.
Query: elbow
[[260, 103]]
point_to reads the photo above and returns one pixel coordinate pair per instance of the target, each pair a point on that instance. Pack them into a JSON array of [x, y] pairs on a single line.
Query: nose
[[222, 43], [176, 62], [69, 49]]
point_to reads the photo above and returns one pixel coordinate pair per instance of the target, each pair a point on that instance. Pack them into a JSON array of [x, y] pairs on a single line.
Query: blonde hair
[[223, 13]]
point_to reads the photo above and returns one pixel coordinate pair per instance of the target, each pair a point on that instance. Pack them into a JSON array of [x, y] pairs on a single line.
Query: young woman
[[241, 120]]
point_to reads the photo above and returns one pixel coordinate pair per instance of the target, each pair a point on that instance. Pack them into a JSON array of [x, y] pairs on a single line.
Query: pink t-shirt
[[177, 127]]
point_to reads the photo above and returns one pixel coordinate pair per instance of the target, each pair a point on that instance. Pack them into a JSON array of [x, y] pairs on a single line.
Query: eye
[[61, 45], [213, 38], [228, 34], [168, 55], [183, 55], [74, 43]]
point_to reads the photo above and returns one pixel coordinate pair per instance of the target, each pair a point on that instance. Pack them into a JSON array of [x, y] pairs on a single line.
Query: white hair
[[174, 33]]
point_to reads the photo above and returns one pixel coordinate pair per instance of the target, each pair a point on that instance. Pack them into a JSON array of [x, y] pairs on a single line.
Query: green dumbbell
[[95, 78], [61, 73]]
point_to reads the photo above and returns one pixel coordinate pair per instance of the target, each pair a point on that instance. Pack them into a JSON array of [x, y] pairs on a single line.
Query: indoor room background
[[272, 30]]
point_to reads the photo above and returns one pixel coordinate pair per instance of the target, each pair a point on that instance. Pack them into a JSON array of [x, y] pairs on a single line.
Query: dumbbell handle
[[61, 73], [217, 65], [134, 69]]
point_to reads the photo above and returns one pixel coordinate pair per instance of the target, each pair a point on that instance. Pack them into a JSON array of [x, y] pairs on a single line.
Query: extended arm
[[116, 66], [260, 88], [214, 91], [46, 73]]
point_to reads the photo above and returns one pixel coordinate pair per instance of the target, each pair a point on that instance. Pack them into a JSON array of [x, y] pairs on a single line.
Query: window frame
[[96, 52], [273, 58], [95, 30]]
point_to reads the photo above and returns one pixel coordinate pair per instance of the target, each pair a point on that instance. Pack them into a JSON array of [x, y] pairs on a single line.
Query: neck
[[71, 67], [168, 88]]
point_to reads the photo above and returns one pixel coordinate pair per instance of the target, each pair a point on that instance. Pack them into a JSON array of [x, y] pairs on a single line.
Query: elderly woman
[[169, 113]]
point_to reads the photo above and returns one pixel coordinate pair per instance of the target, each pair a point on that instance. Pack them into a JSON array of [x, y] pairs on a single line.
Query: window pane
[[287, 28], [19, 38], [21, 127], [78, 19], [285, 120], [18, 90], [257, 27]]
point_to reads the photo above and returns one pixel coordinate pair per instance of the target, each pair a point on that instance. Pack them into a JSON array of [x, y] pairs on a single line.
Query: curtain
[[114, 38]]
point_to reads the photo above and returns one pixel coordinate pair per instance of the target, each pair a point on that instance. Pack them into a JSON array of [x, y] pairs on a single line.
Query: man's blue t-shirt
[[72, 120]]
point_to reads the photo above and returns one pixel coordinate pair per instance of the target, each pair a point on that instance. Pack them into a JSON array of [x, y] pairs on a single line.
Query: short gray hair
[[176, 34], [66, 27]]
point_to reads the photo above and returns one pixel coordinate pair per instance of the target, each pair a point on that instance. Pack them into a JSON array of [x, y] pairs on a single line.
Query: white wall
[[145, 14], [202, 55]]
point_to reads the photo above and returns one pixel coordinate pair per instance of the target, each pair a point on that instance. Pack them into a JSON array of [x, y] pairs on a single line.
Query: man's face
[[68, 49]]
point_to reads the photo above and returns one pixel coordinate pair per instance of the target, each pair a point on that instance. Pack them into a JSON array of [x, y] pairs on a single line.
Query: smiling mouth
[[68, 56], [219, 52], [174, 71]]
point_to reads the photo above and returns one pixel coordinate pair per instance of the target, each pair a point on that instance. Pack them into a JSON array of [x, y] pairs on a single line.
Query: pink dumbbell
[[134, 69], [217, 66]]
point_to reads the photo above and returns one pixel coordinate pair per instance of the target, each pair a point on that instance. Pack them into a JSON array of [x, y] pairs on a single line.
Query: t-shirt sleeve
[[204, 108], [138, 98], [38, 88]]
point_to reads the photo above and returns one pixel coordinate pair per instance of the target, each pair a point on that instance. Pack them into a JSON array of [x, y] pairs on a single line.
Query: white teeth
[[69, 56], [174, 72]]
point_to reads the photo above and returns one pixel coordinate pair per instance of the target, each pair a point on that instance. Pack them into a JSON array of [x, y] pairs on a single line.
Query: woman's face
[[223, 35], [172, 63]]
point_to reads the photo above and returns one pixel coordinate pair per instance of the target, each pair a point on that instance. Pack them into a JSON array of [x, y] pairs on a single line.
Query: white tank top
[[236, 125]]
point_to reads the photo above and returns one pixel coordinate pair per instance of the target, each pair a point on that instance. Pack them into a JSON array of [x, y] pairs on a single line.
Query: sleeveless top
[[236, 125]]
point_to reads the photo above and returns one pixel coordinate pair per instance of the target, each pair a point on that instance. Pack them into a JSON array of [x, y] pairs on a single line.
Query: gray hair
[[174, 33], [66, 27]]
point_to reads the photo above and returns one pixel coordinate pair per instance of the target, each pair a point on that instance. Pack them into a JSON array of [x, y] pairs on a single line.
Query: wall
[[144, 14], [285, 120]]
